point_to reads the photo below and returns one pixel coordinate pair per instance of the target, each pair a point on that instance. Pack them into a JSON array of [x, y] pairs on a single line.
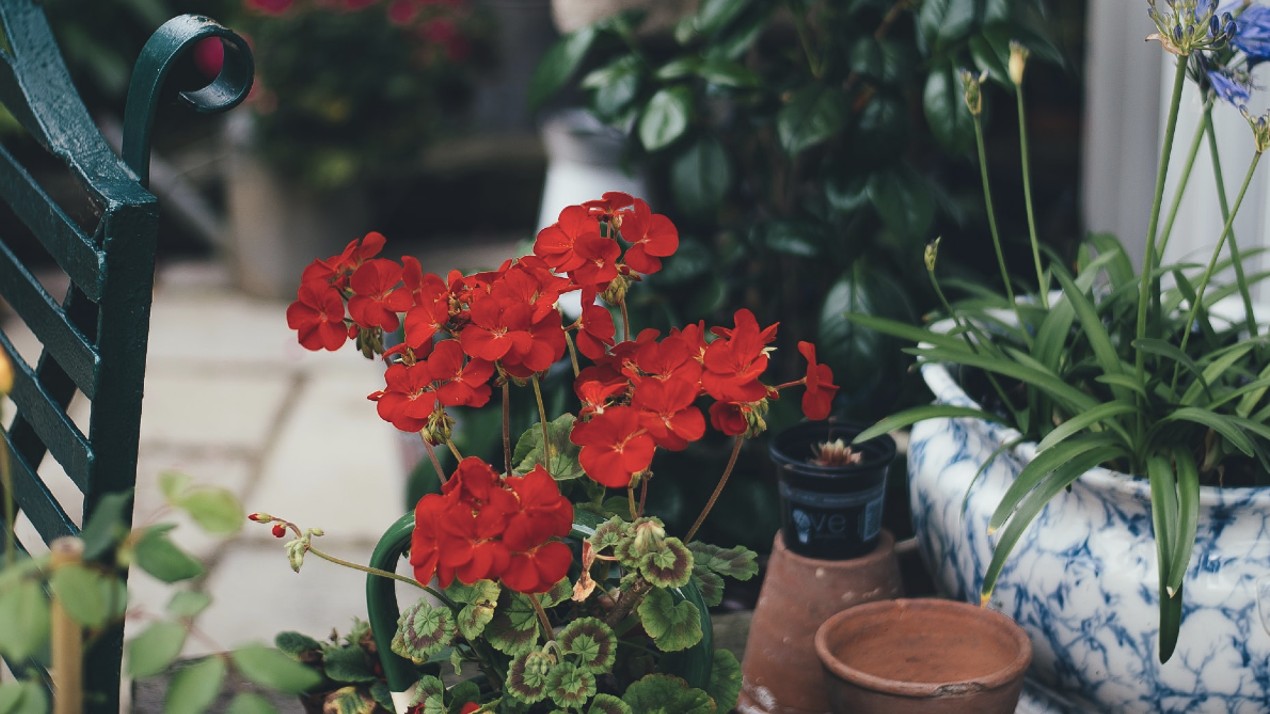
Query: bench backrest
[[93, 338]]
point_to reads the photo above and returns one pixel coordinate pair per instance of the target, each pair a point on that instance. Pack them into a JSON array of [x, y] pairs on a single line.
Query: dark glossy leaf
[[792, 238], [991, 53], [940, 22], [701, 176], [714, 15], [559, 64], [725, 72], [903, 200], [814, 114], [665, 118], [946, 114]]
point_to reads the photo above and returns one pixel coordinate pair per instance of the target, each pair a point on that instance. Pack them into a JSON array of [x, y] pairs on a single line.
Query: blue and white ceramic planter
[[1083, 581]]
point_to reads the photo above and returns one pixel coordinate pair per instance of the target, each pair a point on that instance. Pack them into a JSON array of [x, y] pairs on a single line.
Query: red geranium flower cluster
[[460, 332], [486, 527]]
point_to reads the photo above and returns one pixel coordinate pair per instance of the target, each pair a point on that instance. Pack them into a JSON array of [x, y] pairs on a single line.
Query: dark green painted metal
[[94, 341]]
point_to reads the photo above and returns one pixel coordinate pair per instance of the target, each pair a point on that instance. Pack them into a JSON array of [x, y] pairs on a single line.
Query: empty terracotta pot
[[781, 673], [923, 656]]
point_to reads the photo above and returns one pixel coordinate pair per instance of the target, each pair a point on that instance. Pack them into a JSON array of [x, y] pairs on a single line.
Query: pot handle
[[383, 610]]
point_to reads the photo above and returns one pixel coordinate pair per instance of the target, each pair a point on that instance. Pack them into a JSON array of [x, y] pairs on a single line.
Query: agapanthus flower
[[1252, 33]]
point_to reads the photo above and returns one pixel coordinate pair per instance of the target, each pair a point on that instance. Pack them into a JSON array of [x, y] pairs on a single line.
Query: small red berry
[[279, 530]]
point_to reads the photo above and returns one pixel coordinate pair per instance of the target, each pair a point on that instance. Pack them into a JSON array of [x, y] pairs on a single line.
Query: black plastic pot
[[830, 512]]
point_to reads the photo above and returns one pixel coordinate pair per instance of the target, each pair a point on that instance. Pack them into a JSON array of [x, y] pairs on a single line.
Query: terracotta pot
[[923, 656], [781, 673]]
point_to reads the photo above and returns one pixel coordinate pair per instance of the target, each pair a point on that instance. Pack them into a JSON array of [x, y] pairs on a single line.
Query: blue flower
[[1252, 33], [1230, 86]]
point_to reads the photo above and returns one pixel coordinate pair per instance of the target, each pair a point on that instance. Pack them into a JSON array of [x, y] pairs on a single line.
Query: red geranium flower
[[408, 400], [463, 382], [652, 237], [729, 417], [599, 264], [666, 411], [614, 446], [557, 243], [376, 298], [818, 399], [735, 361], [318, 316]]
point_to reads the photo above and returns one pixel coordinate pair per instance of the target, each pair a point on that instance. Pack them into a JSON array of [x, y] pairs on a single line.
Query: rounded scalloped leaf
[[673, 626], [738, 562], [725, 680], [610, 534], [609, 704], [527, 676], [473, 619], [710, 584], [422, 631], [666, 694], [670, 566], [590, 642], [561, 591], [514, 629], [570, 686]]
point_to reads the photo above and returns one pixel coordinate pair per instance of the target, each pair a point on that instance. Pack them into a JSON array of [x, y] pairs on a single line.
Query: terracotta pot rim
[[881, 551], [982, 616]]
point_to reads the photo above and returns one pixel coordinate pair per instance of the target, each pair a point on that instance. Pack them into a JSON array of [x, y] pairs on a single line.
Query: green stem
[[542, 418], [718, 489], [1150, 260], [800, 25], [1212, 261], [1250, 319], [1185, 179], [10, 505], [507, 426], [992, 227], [1041, 284], [432, 455], [376, 571]]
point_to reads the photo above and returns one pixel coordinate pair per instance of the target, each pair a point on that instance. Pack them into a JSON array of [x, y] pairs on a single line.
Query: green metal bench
[[94, 338]]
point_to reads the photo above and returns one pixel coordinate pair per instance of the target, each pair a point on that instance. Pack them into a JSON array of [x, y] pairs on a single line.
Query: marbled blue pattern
[[1082, 580]]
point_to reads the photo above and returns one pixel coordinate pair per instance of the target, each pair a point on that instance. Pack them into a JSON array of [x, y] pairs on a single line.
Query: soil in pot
[[923, 656]]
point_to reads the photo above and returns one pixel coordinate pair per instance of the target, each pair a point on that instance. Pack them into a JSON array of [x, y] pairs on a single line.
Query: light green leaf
[[24, 698], [85, 593], [1229, 427], [216, 510], [725, 680], [150, 652], [1087, 419], [569, 686], [188, 603], [271, 668], [563, 465], [422, 631], [295, 644], [1046, 462], [172, 484], [194, 688], [157, 555], [663, 694], [24, 620], [665, 118], [250, 703], [909, 417], [348, 664], [105, 528], [673, 626]]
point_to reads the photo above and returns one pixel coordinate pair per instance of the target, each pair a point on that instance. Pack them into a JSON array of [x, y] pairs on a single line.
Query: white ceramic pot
[[1083, 579]]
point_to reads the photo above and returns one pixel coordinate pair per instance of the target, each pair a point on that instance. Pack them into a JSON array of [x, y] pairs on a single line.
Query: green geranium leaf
[[271, 668], [563, 464], [105, 529], [216, 510], [297, 645], [348, 664], [609, 704], [514, 629], [709, 583], [348, 700], [480, 598], [561, 591], [701, 176], [250, 703], [812, 115], [85, 593], [665, 694], [157, 555], [527, 676], [150, 652], [463, 693], [590, 642], [569, 685], [673, 626], [725, 680], [188, 604], [665, 117], [194, 688], [668, 567], [738, 562], [422, 631], [610, 534], [23, 698]]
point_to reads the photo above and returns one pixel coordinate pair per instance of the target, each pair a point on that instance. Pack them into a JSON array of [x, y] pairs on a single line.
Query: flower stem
[[992, 227], [1150, 260], [1241, 279], [10, 504], [507, 426], [1041, 284], [1212, 261], [626, 319], [374, 571], [432, 454], [573, 353], [1185, 178], [542, 617], [723, 481], [542, 419]]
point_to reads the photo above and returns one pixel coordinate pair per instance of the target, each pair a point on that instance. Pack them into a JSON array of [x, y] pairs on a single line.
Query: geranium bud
[[932, 254], [1018, 60], [972, 91], [317, 532], [649, 535], [260, 517], [279, 530], [615, 293]]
